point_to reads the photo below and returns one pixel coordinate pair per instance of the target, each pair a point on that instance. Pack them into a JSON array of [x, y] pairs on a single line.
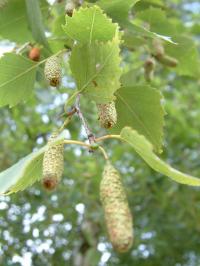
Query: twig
[[83, 144], [90, 135], [68, 119], [108, 137], [66, 141], [103, 152]]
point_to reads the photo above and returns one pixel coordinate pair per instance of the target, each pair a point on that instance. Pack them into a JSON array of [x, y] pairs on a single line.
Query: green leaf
[[13, 22], [35, 22], [187, 55], [140, 108], [138, 31], [152, 16], [25, 172], [22, 174], [17, 77], [96, 69], [117, 9], [144, 148], [90, 24]]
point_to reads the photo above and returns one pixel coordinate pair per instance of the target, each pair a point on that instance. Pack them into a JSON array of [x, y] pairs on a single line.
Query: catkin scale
[[107, 114], [116, 210], [53, 164], [52, 71]]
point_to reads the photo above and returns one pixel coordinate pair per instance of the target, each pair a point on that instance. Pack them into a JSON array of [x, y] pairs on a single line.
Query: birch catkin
[[107, 114], [117, 213], [53, 163], [52, 71]]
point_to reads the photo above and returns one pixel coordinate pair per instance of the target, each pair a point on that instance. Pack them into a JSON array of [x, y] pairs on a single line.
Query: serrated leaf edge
[[82, 9]]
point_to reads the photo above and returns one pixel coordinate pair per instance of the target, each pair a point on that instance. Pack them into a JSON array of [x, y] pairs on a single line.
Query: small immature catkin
[[107, 114], [53, 164], [158, 48], [117, 213], [52, 71], [168, 61], [161, 56], [149, 67]]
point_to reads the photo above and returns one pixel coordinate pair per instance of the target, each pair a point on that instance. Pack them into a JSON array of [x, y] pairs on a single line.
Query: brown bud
[[117, 213], [34, 54], [107, 114], [53, 164]]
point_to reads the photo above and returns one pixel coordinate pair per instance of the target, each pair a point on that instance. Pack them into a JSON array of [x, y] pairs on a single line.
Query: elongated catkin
[[53, 163], [52, 71], [117, 213], [107, 114]]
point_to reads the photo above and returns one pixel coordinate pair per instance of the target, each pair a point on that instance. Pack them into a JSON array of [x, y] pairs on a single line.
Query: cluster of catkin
[[118, 216], [106, 112]]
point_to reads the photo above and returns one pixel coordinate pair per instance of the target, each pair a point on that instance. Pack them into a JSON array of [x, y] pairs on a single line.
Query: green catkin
[[158, 49], [52, 71], [168, 61], [116, 210], [53, 163], [107, 114], [149, 67], [161, 56]]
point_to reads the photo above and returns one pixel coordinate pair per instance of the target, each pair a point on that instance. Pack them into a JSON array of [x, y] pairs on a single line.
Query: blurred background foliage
[[66, 227]]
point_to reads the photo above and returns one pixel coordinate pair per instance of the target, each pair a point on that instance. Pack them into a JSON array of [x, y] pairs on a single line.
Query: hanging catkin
[[117, 213], [53, 163], [107, 114], [52, 71]]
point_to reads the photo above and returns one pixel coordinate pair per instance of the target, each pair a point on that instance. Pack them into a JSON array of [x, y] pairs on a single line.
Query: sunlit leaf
[[96, 69], [90, 24], [144, 148], [17, 76]]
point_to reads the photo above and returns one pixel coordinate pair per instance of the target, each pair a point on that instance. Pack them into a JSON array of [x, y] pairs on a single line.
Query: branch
[[89, 133], [108, 137]]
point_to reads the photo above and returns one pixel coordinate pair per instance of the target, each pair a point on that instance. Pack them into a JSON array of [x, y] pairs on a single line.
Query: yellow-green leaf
[[145, 149]]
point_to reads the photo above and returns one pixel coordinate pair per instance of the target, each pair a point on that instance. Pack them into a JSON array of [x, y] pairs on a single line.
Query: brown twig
[[89, 133]]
